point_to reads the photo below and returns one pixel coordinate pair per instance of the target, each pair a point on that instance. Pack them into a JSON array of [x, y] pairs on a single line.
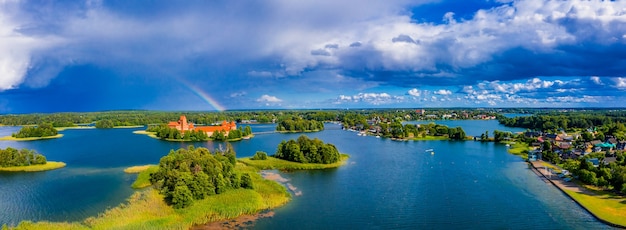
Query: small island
[[25, 160], [30, 133], [183, 130], [299, 125], [303, 153]]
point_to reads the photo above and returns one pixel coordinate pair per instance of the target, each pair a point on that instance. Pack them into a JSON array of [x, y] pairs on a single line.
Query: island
[[295, 125], [191, 187], [183, 130], [303, 153], [25, 160], [30, 133]]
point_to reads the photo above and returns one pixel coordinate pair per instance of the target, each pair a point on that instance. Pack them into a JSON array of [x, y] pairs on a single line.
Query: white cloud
[[370, 98], [414, 92], [268, 98], [620, 82], [596, 80], [443, 92], [16, 48]]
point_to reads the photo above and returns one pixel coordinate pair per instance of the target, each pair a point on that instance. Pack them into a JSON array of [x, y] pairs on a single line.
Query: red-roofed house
[[226, 127], [183, 125]]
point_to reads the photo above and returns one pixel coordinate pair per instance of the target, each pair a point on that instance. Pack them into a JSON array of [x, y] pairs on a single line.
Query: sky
[[73, 55]]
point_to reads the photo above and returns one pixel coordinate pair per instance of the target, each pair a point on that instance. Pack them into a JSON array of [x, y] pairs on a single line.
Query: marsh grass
[[275, 163], [50, 165], [10, 138], [137, 169], [143, 177]]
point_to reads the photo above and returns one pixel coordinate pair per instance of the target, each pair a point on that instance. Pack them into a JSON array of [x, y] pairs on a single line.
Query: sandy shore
[[278, 178], [557, 181]]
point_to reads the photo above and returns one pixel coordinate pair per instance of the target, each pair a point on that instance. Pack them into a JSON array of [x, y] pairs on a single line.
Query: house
[[534, 155], [621, 145], [225, 127], [532, 134], [183, 126], [594, 161], [608, 160]]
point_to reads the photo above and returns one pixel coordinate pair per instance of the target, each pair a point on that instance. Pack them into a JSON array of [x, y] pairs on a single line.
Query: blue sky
[[280, 54]]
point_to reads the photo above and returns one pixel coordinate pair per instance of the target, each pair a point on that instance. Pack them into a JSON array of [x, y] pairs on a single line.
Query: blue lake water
[[386, 184], [472, 127]]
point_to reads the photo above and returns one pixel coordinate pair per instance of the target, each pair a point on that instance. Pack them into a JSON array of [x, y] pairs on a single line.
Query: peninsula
[[239, 189]]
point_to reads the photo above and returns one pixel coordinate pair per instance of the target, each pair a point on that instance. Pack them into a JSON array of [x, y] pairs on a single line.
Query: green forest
[[43, 130], [299, 125], [305, 150], [186, 175], [10, 157]]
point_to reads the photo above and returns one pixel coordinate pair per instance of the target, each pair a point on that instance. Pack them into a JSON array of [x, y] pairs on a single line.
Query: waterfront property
[[183, 125]]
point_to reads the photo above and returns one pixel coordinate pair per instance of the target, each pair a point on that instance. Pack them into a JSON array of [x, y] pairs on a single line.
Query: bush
[[259, 155], [246, 181]]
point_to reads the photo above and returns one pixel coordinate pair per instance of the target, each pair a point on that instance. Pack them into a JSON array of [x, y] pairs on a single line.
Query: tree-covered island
[[303, 153], [299, 125], [164, 132], [28, 133], [25, 160]]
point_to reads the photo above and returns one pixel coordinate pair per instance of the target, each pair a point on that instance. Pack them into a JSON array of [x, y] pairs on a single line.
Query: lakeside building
[[183, 125]]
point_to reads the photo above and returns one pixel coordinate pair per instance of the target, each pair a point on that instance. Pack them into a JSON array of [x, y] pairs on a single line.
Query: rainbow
[[200, 93]]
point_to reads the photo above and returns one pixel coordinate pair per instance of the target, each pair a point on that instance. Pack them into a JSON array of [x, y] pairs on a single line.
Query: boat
[[377, 136], [428, 150]]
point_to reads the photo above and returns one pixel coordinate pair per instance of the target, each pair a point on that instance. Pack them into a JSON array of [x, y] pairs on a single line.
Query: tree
[[181, 196]]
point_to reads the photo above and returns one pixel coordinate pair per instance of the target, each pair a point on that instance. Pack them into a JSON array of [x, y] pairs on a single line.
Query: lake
[[385, 184]]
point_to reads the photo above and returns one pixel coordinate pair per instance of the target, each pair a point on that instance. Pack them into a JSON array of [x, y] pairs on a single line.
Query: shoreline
[[11, 138], [50, 165], [570, 187]]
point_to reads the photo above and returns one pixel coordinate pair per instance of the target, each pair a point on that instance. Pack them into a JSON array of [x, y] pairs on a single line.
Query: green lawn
[[606, 206], [275, 163], [520, 148], [50, 165], [10, 138]]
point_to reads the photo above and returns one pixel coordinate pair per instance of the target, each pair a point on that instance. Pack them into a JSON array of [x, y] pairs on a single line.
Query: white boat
[[429, 150], [377, 136]]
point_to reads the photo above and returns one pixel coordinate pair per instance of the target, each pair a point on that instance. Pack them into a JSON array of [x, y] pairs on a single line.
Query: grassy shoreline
[[10, 138], [275, 163], [606, 207], [143, 177], [50, 165]]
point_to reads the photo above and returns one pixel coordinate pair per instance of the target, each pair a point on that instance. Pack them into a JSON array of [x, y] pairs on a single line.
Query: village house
[[183, 125]]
